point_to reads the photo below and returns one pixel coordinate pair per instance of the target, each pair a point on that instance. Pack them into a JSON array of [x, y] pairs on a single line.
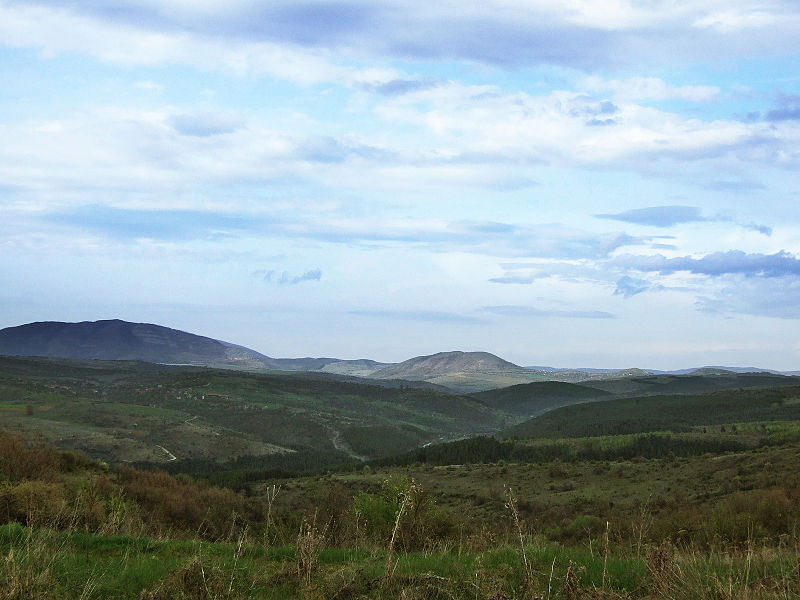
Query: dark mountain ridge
[[120, 340]]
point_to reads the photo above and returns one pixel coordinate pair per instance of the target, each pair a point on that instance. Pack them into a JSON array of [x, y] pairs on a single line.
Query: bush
[[753, 515], [421, 521], [586, 525], [19, 461], [212, 512], [34, 502]]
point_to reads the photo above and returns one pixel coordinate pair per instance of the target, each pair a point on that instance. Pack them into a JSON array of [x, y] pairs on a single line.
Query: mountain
[[115, 339], [461, 371], [359, 368], [585, 375], [120, 340]]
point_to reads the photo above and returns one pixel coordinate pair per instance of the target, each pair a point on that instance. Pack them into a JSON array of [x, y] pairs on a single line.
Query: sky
[[570, 183]]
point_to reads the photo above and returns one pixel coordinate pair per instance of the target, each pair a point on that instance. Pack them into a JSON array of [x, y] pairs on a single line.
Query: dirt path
[[170, 454], [205, 429], [341, 445]]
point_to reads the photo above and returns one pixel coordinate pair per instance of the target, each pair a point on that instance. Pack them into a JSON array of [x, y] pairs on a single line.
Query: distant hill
[[705, 381], [115, 339], [462, 371], [120, 340], [675, 413], [532, 399], [359, 368], [585, 375]]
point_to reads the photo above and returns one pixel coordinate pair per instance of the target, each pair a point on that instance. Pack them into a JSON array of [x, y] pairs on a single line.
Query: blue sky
[[569, 183]]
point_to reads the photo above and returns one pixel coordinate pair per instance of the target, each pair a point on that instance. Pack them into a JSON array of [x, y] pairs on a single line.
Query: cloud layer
[[531, 178]]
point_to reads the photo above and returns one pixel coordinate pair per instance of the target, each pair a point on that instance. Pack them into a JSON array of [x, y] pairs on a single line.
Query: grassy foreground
[[43, 563], [719, 521]]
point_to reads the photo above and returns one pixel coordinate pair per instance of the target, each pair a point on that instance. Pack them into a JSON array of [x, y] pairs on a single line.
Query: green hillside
[[531, 399], [663, 413], [692, 383], [130, 411]]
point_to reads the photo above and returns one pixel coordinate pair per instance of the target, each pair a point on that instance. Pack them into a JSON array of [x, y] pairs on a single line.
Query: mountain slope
[[532, 399], [462, 371], [120, 340], [688, 384], [138, 411], [674, 413]]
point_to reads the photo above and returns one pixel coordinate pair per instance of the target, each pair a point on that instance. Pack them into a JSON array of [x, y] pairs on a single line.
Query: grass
[[69, 565]]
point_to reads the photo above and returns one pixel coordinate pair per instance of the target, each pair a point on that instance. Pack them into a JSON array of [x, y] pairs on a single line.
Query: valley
[[415, 480]]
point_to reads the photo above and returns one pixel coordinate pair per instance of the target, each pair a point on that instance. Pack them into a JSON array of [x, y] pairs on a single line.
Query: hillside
[[532, 399], [679, 413], [694, 383], [143, 412], [462, 371], [120, 340]]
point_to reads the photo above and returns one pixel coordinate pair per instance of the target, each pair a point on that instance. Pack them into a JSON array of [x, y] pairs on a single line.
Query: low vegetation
[[679, 497]]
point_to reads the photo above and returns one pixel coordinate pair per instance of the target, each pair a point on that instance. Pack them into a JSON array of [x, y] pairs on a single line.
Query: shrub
[[421, 523], [212, 512], [753, 515], [20, 461], [34, 502], [334, 509], [586, 525]]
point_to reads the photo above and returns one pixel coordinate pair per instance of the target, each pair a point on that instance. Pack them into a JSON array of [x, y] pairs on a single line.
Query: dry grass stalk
[[660, 568], [605, 555], [269, 495], [405, 503], [571, 588], [641, 528], [309, 543], [511, 504]]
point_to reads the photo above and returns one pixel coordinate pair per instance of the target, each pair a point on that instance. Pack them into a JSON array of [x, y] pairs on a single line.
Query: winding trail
[[170, 454], [341, 445]]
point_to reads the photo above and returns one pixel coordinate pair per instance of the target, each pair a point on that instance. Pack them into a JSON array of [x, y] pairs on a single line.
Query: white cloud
[[58, 31], [731, 20], [150, 86], [649, 88]]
